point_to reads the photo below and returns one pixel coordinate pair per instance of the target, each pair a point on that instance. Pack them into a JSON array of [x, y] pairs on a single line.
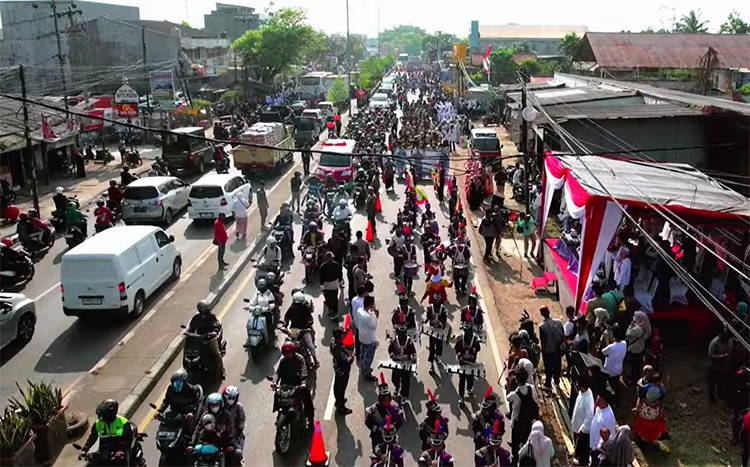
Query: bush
[[40, 402], [15, 431], [745, 89]]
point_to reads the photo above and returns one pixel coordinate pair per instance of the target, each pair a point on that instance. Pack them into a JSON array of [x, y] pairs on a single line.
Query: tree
[[521, 48], [405, 38], [691, 23], [650, 30], [373, 69], [185, 23], [533, 67], [339, 93], [569, 45], [734, 25], [502, 66], [284, 41]]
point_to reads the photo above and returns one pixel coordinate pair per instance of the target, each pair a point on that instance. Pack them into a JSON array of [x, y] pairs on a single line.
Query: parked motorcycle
[[104, 156], [196, 358]]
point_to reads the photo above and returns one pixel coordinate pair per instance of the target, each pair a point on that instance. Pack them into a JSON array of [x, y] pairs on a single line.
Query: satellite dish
[[529, 114]]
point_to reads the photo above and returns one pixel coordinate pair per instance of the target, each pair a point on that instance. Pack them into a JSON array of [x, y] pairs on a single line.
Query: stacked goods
[[267, 134]]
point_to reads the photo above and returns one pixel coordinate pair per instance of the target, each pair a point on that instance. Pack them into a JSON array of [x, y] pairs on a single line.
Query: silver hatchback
[[154, 199], [17, 319]]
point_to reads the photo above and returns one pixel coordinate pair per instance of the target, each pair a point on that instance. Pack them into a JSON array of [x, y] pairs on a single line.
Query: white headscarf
[[540, 443]]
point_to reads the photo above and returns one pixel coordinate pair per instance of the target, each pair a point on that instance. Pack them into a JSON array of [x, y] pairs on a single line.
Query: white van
[[117, 270], [214, 194]]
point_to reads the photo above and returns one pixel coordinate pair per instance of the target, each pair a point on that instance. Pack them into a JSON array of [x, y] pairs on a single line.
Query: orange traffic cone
[[348, 340], [318, 453], [369, 235], [378, 206]]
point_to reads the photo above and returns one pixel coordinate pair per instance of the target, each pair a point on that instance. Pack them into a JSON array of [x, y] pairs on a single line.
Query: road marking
[[329, 405], [150, 415], [54, 287]]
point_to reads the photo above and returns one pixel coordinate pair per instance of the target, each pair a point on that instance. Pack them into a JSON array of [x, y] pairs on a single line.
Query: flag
[[489, 51], [421, 196], [409, 179], [47, 131]]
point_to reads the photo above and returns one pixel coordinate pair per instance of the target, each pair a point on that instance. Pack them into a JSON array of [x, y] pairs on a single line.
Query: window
[[140, 192], [310, 81], [206, 192], [486, 144], [165, 188], [161, 239]]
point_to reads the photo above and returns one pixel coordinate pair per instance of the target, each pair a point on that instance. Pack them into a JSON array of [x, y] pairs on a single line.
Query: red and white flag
[[486, 60], [489, 51], [47, 131]]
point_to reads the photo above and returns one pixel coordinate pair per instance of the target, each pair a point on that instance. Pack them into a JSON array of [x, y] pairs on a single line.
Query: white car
[[154, 199], [380, 101], [214, 194], [17, 319]]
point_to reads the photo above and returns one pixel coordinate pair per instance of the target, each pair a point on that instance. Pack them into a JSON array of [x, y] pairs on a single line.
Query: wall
[[232, 20], [538, 46]]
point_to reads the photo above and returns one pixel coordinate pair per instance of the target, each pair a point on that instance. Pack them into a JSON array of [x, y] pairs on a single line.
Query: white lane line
[[493, 343], [329, 405], [53, 288]]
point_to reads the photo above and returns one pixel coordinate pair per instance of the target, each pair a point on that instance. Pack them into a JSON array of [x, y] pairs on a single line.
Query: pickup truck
[[306, 130], [256, 160]]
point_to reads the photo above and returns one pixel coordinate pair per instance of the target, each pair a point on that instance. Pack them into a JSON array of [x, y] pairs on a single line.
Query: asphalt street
[[346, 438]]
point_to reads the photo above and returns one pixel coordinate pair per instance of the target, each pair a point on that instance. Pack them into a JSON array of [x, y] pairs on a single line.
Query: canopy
[[593, 183]]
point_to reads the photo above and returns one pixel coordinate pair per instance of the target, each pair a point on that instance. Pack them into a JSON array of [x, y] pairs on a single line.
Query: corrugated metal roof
[[570, 95], [518, 31], [584, 111], [626, 50], [11, 122]]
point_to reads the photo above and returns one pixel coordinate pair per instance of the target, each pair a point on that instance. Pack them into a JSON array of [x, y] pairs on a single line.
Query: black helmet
[[107, 410], [203, 306], [178, 379]]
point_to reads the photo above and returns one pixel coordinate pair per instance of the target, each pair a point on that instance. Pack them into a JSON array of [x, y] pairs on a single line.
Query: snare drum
[[410, 269]]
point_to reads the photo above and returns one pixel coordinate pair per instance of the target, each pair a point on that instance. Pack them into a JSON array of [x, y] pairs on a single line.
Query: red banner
[[90, 124], [126, 110]]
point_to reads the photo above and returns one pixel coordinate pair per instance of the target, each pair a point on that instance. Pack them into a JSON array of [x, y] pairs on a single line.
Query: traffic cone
[[318, 454], [369, 236], [378, 206], [348, 340]]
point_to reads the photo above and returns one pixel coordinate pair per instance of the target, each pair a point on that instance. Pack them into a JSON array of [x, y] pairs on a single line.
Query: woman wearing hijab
[[602, 331], [240, 214], [620, 451], [650, 416], [636, 336], [539, 447]]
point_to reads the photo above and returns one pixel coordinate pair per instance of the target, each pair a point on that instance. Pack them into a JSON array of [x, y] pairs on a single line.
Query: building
[[233, 20], [541, 40]]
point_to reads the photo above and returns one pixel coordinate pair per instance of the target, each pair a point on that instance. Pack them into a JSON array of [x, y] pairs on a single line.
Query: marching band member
[[467, 349], [483, 420], [427, 427], [402, 350], [472, 312], [375, 415], [493, 455], [460, 252], [436, 456], [388, 453], [437, 317], [435, 291], [403, 308]]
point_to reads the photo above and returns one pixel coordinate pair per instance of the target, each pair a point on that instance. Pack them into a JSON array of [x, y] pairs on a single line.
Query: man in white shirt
[[615, 355], [623, 267], [603, 418], [583, 413], [357, 302], [366, 321]]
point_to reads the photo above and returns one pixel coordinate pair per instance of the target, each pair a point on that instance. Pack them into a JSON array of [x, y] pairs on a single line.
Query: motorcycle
[[360, 196], [8, 210], [344, 227], [297, 337], [174, 434], [491, 119], [283, 239], [310, 258], [75, 235], [207, 455], [290, 421], [196, 359], [98, 228], [222, 166], [104, 156], [40, 240], [260, 331], [330, 202], [15, 279], [519, 194], [115, 453], [58, 215], [133, 158]]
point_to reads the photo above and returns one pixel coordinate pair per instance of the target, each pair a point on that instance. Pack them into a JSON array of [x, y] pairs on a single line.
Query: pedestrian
[[636, 336], [583, 413], [337, 121], [363, 246], [603, 419], [371, 208], [620, 452], [296, 188], [356, 303], [342, 365], [240, 214], [524, 410], [526, 226], [538, 448], [80, 163], [262, 204], [220, 239], [615, 356], [489, 232], [306, 156], [552, 335], [351, 262], [720, 352], [332, 280], [366, 319], [441, 182]]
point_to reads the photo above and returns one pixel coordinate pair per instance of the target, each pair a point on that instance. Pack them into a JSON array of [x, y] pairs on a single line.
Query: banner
[[90, 124], [162, 88], [126, 110]]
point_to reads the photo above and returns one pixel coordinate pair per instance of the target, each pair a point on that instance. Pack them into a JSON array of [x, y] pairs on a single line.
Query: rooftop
[[627, 50], [572, 95], [584, 111], [517, 31], [165, 27], [11, 122]]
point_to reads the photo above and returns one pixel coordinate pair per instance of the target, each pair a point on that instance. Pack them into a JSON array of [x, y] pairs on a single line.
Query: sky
[[456, 17]]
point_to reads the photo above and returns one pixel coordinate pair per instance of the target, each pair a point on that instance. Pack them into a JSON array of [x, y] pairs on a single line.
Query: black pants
[[356, 343], [340, 381], [461, 278], [372, 219], [488, 241], [306, 165], [332, 301], [636, 362], [745, 449], [519, 434], [398, 264], [222, 247], [552, 367], [441, 192], [402, 382], [465, 382], [582, 450], [716, 383], [263, 210], [436, 349]]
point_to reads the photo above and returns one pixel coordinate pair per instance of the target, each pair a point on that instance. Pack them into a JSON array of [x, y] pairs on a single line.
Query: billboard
[[126, 110], [162, 88], [91, 124]]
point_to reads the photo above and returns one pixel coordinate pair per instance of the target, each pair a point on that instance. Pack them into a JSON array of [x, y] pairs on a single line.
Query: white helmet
[[270, 241], [298, 297], [59, 190], [342, 203]]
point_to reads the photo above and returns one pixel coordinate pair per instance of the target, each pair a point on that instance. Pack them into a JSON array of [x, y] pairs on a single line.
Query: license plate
[[139, 209], [68, 235], [91, 301], [166, 435], [207, 214]]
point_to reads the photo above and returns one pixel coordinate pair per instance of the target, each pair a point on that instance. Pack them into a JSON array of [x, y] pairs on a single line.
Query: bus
[[338, 164], [316, 83]]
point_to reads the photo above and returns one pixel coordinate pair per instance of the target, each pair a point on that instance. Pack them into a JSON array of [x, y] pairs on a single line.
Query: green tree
[[284, 41], [502, 67], [734, 25], [405, 38], [650, 30], [533, 67], [373, 69], [185, 23], [691, 23], [339, 93], [200, 104], [568, 47]]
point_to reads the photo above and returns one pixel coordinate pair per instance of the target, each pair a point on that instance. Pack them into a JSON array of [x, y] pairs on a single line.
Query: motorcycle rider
[[220, 157], [312, 212], [159, 166], [389, 172], [343, 214], [11, 264], [221, 434], [361, 178], [208, 325], [61, 201], [24, 230], [329, 185], [292, 371], [232, 404], [110, 428], [115, 195], [74, 217], [274, 287], [181, 397], [284, 220], [103, 216], [300, 316], [126, 178], [313, 237], [264, 298], [270, 255]]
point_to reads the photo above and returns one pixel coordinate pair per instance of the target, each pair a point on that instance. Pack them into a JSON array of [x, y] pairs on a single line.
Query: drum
[[410, 269]]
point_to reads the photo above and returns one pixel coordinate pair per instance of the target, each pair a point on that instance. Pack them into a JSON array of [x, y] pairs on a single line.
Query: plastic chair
[[551, 279]]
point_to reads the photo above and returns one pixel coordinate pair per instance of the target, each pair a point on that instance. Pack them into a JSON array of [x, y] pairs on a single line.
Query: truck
[[257, 160]]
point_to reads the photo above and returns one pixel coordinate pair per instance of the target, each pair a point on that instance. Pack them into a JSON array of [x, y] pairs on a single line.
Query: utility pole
[[525, 147], [346, 60], [27, 135], [148, 80], [378, 28], [72, 10]]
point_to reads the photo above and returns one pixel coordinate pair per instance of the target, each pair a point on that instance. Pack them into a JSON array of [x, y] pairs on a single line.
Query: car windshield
[[305, 124], [486, 144], [310, 81], [335, 160], [206, 192], [140, 192], [379, 97]]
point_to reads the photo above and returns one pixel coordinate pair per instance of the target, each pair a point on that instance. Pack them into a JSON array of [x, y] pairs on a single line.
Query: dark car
[[286, 113], [299, 107]]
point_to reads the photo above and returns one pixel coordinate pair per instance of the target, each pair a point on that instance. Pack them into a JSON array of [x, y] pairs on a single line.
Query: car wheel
[[138, 305], [25, 329], [201, 166], [176, 269], [168, 217]]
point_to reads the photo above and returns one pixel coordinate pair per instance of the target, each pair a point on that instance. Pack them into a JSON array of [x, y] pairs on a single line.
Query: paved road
[[346, 437], [64, 347]]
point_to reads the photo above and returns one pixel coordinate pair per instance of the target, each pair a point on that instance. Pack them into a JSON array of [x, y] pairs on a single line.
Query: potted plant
[[16, 440], [42, 405]]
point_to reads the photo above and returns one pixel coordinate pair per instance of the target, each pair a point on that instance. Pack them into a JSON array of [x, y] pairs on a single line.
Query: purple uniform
[[492, 457], [375, 420], [395, 453], [427, 457]]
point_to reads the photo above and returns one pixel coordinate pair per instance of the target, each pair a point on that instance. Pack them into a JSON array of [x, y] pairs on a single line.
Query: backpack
[[529, 408]]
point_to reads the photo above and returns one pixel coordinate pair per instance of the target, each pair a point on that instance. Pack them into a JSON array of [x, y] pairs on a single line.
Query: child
[[600, 459]]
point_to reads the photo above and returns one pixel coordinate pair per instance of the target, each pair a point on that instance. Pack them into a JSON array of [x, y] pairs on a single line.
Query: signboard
[[126, 95], [126, 110], [477, 59], [162, 88], [459, 52], [90, 124]]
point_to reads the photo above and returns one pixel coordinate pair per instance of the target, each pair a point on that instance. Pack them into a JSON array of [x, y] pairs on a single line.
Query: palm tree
[[691, 23]]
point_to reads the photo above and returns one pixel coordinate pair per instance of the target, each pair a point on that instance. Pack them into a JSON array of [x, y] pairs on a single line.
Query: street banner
[[162, 88], [126, 110], [91, 124], [126, 95]]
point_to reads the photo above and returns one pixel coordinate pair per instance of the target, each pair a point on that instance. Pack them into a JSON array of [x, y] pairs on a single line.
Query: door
[[150, 268], [182, 191], [7, 324], [165, 255]]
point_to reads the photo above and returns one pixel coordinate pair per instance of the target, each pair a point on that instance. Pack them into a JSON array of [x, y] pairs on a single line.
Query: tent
[[592, 183]]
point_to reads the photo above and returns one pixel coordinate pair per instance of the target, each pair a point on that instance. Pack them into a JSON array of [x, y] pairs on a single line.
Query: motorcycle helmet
[[178, 379], [285, 205], [231, 395], [203, 306], [107, 410], [214, 402], [298, 297], [100, 202], [310, 204], [7, 243], [262, 285], [313, 227], [288, 348], [34, 213], [59, 190], [270, 242], [23, 216], [271, 278], [208, 422], [342, 203]]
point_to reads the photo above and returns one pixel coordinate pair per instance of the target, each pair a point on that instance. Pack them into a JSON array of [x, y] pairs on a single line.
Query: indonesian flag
[[47, 131], [489, 51]]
